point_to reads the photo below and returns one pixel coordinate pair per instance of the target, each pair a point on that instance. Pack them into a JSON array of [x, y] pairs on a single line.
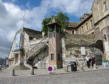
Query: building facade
[[96, 24], [100, 11], [86, 25]]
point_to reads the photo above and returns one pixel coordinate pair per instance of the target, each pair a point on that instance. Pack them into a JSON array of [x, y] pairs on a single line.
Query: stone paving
[[90, 77], [98, 76], [7, 72]]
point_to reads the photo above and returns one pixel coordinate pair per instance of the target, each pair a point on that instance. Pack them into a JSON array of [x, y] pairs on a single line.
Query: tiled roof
[[73, 24]]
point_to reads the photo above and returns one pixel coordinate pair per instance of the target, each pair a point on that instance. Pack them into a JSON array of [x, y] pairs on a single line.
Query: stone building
[[89, 37], [55, 47], [86, 25], [71, 28], [96, 24], [33, 50], [100, 11], [23, 47]]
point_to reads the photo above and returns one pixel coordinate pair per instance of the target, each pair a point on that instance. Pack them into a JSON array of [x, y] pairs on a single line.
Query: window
[[52, 57], [92, 33], [105, 38], [73, 32], [52, 34], [16, 58], [79, 30], [87, 26], [91, 23], [82, 29], [59, 57], [97, 1], [105, 6]]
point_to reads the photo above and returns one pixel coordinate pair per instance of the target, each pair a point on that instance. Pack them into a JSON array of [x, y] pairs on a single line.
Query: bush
[[105, 61]]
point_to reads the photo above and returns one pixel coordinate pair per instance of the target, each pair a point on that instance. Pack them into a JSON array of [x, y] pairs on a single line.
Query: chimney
[[86, 15], [82, 18]]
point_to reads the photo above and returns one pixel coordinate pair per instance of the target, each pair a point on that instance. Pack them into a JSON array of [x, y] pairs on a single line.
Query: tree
[[61, 18], [44, 25]]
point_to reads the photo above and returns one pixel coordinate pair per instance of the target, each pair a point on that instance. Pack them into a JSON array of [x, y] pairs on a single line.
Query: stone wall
[[72, 50]]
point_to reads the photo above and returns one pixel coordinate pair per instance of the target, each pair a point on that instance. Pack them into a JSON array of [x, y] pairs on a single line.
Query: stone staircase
[[37, 48]]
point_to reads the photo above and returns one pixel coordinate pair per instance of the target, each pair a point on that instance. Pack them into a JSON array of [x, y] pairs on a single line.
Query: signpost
[[83, 51], [50, 68]]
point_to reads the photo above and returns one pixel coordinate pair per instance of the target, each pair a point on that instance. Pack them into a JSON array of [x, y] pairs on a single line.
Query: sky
[[14, 14]]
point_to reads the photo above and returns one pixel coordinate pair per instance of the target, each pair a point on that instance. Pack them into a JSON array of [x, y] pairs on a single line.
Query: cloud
[[8, 22], [75, 7], [11, 17]]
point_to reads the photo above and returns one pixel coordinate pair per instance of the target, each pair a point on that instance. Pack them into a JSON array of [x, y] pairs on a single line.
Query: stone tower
[[55, 49]]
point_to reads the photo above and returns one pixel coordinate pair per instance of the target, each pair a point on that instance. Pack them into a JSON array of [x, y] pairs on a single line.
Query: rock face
[[77, 47]]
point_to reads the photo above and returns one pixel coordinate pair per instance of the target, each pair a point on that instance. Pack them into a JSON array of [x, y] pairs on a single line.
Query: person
[[88, 60], [92, 61]]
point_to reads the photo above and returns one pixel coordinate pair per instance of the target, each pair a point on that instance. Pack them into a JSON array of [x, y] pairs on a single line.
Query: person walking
[[92, 61], [88, 60]]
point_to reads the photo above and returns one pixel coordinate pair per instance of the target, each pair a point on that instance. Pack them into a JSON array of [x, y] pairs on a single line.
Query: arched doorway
[[99, 57]]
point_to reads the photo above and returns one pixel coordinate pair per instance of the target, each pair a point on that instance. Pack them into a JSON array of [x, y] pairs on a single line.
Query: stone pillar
[[32, 71], [13, 72], [105, 37]]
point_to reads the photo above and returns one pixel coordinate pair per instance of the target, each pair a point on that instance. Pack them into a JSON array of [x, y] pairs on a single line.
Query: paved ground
[[7, 72], [89, 77]]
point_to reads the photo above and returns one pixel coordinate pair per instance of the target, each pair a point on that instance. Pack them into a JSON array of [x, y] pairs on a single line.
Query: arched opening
[[99, 45]]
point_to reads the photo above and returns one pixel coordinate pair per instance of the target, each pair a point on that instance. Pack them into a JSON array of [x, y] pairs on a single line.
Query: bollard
[[0, 68], [67, 68], [13, 72], [32, 71]]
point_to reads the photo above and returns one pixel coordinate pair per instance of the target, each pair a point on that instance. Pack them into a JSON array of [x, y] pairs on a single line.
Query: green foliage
[[105, 61], [61, 18], [44, 25]]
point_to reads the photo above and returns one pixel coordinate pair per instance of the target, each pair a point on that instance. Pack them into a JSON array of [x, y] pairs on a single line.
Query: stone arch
[[99, 57], [99, 45]]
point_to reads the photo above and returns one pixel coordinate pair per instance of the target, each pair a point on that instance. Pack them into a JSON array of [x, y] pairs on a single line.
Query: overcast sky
[[34, 11]]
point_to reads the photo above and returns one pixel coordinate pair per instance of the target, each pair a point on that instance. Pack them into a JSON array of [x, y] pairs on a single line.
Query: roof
[[31, 30], [53, 22], [87, 18], [72, 25]]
